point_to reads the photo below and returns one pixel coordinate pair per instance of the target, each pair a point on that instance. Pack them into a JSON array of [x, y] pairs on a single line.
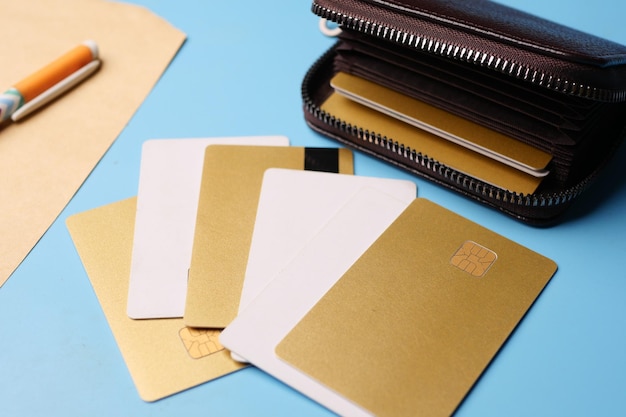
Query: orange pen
[[49, 82]]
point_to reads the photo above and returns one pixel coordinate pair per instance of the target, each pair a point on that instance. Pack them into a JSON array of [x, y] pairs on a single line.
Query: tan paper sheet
[[45, 158]]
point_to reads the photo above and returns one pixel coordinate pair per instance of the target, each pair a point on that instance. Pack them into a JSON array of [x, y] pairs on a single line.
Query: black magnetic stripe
[[321, 159]]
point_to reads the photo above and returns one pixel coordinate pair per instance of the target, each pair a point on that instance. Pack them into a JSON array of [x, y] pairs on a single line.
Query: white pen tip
[[93, 46]]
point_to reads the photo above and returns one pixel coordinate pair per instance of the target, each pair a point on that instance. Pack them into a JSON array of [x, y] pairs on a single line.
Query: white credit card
[[167, 201], [258, 329], [293, 206]]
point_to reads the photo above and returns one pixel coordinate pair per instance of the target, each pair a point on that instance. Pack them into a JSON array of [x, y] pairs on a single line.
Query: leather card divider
[[564, 125], [355, 44]]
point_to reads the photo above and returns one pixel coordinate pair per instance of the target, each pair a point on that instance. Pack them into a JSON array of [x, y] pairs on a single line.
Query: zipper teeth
[[464, 182], [462, 53]]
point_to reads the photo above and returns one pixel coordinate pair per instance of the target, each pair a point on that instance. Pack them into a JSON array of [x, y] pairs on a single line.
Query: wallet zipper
[[423, 164], [508, 66]]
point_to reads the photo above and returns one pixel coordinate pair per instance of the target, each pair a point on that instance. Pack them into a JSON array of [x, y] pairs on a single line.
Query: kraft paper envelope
[[45, 158], [163, 356], [293, 206], [277, 309], [167, 200], [415, 321], [447, 152], [229, 195], [446, 125]]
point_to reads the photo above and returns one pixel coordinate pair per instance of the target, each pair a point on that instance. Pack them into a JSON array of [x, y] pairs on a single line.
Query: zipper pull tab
[[329, 30]]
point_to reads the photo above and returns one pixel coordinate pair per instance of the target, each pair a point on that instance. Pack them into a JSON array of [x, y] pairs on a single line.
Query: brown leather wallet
[[556, 89]]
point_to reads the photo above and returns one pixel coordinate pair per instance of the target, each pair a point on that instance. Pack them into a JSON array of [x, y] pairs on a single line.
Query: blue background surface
[[238, 74]]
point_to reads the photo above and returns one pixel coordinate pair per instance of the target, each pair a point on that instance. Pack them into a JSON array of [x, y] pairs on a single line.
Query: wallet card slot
[[533, 134], [565, 154], [459, 91], [571, 108], [459, 102]]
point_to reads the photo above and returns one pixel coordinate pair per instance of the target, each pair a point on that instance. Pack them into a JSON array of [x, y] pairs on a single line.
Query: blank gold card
[[414, 322], [163, 356], [229, 195], [442, 150]]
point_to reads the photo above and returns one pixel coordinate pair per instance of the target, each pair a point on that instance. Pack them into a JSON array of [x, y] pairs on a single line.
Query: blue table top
[[245, 62]]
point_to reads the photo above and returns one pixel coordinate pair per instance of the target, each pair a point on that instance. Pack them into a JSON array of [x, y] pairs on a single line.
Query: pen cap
[[93, 47], [55, 72]]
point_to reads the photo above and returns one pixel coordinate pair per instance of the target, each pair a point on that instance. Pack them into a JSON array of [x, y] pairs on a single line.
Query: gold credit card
[[410, 327], [163, 356], [457, 129], [443, 124], [444, 151], [229, 195]]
